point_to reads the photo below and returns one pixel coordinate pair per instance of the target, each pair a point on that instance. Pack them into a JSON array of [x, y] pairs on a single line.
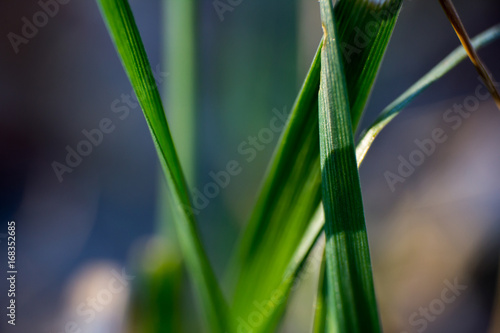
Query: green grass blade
[[364, 28], [123, 30], [180, 58], [291, 190], [303, 251], [393, 109], [156, 305], [157, 302], [319, 324], [350, 300], [263, 231]]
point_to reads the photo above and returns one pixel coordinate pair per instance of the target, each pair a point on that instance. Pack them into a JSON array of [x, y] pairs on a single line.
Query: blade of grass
[[291, 190], [364, 29], [295, 266], [457, 24], [156, 302], [263, 231], [156, 305], [319, 324], [181, 88], [123, 30], [393, 109], [160, 297], [350, 299]]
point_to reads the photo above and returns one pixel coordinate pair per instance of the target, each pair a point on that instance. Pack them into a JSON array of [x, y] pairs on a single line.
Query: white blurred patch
[[96, 300]]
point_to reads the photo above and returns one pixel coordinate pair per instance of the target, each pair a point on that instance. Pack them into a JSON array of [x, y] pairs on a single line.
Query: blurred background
[[78, 231]]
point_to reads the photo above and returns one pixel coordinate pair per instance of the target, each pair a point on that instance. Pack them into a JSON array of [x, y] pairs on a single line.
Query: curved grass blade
[[393, 109], [277, 203], [350, 298], [123, 30], [295, 266]]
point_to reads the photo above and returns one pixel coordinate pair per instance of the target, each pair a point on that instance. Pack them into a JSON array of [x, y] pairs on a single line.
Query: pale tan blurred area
[[444, 219], [96, 299]]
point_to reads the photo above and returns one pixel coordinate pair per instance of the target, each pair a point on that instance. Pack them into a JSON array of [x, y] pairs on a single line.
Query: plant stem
[[457, 24]]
